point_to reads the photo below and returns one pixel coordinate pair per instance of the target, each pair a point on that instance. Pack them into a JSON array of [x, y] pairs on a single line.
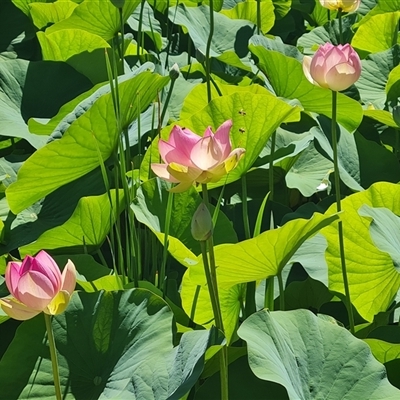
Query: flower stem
[[269, 293], [340, 26], [339, 208], [53, 356], [250, 307], [258, 16], [271, 167], [281, 292], [208, 47], [161, 281], [211, 276]]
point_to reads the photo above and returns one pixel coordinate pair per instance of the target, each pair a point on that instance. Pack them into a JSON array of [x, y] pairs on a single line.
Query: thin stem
[[339, 208], [194, 303], [258, 16], [165, 107], [165, 249], [139, 37], [269, 293], [250, 307], [121, 21], [211, 277], [208, 47], [53, 356], [340, 26], [246, 222], [271, 167], [281, 292]]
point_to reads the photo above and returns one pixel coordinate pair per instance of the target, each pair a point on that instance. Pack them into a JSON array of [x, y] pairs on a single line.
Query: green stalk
[[208, 47], [281, 292], [340, 26], [165, 107], [53, 356], [211, 277], [258, 17], [271, 167], [163, 269], [250, 307], [139, 37], [269, 293], [339, 208], [122, 26]]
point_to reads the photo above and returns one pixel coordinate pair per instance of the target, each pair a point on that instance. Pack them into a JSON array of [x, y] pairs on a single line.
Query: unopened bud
[[202, 225], [174, 72], [396, 115], [118, 3]]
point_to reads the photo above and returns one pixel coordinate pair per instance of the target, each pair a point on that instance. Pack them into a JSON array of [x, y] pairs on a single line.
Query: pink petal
[[69, 277], [341, 77], [183, 139], [12, 276], [35, 290], [306, 69], [334, 57], [16, 310], [208, 132], [206, 154], [318, 69], [171, 154], [162, 172], [222, 137], [46, 265]]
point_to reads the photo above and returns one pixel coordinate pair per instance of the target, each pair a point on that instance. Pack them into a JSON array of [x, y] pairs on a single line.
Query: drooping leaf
[[77, 152], [109, 358], [54, 45], [87, 228], [283, 348], [265, 255]]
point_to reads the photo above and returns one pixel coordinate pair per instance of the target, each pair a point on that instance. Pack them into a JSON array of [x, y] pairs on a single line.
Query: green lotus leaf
[[379, 33], [62, 45], [373, 279], [110, 359], [44, 13], [99, 18], [87, 227], [94, 134], [278, 67], [265, 255], [251, 130], [282, 348], [248, 11]]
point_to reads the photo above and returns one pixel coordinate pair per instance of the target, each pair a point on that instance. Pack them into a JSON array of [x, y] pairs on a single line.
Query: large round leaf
[[313, 357], [250, 130], [111, 345], [373, 279]]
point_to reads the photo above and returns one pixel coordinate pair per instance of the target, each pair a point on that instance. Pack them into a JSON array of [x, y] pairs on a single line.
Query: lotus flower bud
[[37, 285], [202, 225], [344, 5], [174, 72], [396, 115], [333, 67]]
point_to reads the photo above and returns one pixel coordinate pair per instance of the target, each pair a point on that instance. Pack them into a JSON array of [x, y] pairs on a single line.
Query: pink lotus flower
[[37, 285], [190, 158], [344, 5], [333, 67]]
